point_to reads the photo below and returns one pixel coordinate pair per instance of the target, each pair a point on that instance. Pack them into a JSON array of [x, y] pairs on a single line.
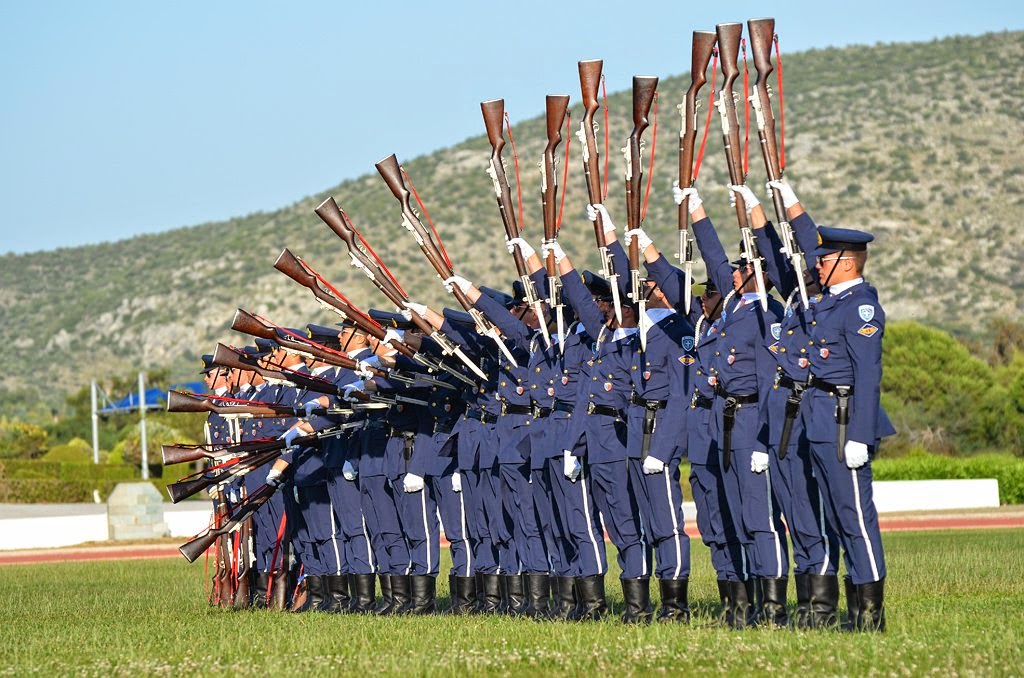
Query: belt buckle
[[504, 407], [535, 410], [591, 407]]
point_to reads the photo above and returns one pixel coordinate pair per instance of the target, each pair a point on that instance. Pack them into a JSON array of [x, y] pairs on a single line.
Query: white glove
[[606, 219], [571, 465], [759, 462], [553, 247], [364, 369], [309, 407], [290, 435], [789, 198], [456, 482], [457, 281], [856, 454], [412, 482], [750, 200], [406, 313], [354, 387], [643, 240], [653, 465], [680, 194], [524, 247], [393, 335], [418, 309], [348, 471], [274, 477]]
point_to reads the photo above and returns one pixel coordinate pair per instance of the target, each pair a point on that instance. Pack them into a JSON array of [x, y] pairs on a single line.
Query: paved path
[[1003, 517]]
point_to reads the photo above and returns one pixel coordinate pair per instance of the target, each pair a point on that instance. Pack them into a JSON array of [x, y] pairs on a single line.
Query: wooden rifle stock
[[183, 489], [703, 44], [644, 88], [391, 172], [243, 596], [185, 402], [557, 105], [494, 117], [590, 80], [247, 323], [228, 357], [222, 572], [195, 547], [729, 50]]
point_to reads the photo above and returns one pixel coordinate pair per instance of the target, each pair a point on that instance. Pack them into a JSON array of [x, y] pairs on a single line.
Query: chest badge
[[712, 381], [647, 374], [731, 359], [565, 380], [551, 391], [519, 390], [608, 386], [823, 352], [803, 362]]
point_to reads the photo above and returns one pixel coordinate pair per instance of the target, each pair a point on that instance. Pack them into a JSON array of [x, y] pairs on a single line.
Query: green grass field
[[955, 607]]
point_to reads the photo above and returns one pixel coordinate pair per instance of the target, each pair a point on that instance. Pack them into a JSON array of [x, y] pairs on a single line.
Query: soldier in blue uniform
[[743, 372], [597, 449], [841, 413]]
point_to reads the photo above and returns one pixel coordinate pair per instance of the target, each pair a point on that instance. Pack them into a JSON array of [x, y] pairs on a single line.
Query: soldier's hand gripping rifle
[[729, 50], [762, 34], [703, 46], [330, 298], [557, 105], [374, 269], [391, 172], [644, 89], [196, 546], [494, 116], [590, 80]]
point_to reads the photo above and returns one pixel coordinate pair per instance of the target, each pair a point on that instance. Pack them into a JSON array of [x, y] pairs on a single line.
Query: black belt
[[539, 411], [648, 404], [831, 389], [482, 416], [395, 432], [792, 384], [738, 399], [443, 426], [509, 408], [594, 408], [563, 406], [701, 401]]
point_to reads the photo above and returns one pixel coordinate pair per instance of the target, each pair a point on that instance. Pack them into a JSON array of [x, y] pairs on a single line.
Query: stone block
[[135, 511]]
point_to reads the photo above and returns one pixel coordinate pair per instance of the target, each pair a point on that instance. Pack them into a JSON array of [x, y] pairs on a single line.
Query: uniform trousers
[[660, 498], [383, 524]]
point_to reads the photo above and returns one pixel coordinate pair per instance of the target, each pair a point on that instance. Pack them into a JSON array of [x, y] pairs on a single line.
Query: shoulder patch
[[866, 312], [867, 330], [776, 330], [687, 343]]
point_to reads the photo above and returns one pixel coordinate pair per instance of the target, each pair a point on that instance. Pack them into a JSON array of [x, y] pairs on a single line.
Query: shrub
[[75, 451], [21, 440]]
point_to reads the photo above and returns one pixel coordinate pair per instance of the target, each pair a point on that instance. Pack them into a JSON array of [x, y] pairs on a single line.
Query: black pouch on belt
[[792, 409], [728, 421], [650, 416], [842, 419], [409, 438]]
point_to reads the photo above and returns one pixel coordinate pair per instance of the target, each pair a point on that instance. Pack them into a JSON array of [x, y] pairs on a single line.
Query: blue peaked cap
[[832, 239]]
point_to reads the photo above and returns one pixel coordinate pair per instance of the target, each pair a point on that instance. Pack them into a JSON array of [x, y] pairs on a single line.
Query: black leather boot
[[386, 600], [872, 606], [725, 596], [363, 594], [259, 596], [336, 595], [538, 591], [773, 601], [802, 618], [316, 594], [462, 594], [489, 592], [422, 594], [675, 606], [824, 590], [590, 600], [515, 591], [637, 595], [741, 595], [565, 598], [401, 597], [852, 604]]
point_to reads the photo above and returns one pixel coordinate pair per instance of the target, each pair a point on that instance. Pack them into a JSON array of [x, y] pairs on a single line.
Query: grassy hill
[[916, 142]]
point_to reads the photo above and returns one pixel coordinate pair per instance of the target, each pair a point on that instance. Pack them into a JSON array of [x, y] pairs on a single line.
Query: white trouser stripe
[[863, 529], [675, 524], [426, 528], [743, 563], [824, 532], [369, 547], [334, 538], [586, 518], [465, 536], [771, 524]]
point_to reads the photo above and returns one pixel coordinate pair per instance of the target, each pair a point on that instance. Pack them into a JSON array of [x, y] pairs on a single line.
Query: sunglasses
[[823, 260]]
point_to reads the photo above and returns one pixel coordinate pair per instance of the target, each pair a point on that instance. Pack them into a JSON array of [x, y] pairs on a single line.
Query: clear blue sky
[[118, 118]]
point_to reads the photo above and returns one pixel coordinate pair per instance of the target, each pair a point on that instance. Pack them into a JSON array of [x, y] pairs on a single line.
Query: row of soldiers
[[775, 406]]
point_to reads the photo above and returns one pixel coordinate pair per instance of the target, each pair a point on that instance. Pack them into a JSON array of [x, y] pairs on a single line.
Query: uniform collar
[[656, 315], [623, 332], [839, 288]]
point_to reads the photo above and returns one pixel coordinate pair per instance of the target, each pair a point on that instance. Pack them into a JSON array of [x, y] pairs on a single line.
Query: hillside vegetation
[[916, 142]]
